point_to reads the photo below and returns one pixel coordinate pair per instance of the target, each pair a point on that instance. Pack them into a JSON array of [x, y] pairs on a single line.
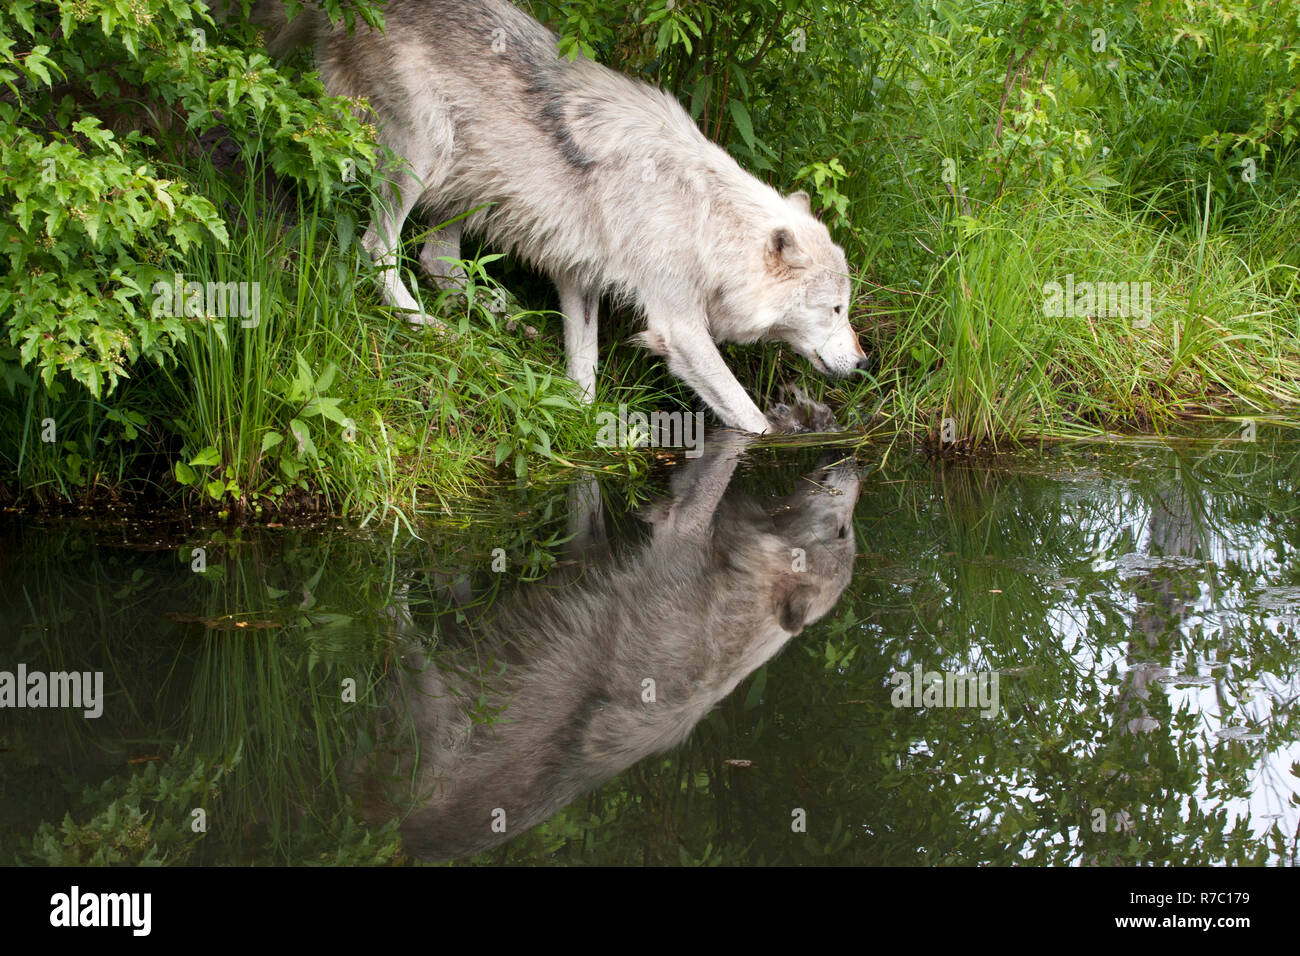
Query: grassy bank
[[997, 173]]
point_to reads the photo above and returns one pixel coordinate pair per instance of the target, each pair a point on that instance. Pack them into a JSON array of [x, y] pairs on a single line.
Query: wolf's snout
[[864, 364]]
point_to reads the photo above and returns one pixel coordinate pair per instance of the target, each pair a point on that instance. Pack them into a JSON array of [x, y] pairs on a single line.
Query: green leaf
[[743, 124], [302, 436], [208, 457], [1099, 180], [326, 377]]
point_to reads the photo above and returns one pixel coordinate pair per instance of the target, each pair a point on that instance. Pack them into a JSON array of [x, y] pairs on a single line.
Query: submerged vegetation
[[1063, 218]]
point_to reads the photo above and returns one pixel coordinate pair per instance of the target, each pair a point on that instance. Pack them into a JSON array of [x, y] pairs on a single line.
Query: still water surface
[[1082, 655]]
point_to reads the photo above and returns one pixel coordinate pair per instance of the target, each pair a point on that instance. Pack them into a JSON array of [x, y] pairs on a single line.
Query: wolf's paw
[[796, 412]]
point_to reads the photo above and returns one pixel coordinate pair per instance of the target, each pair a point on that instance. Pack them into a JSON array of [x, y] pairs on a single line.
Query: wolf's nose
[[864, 364]]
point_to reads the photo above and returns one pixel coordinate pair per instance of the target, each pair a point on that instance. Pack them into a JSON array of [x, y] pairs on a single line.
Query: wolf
[[600, 181], [620, 660]]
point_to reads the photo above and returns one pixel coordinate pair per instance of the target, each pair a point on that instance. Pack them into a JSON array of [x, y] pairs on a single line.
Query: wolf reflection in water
[[617, 662]]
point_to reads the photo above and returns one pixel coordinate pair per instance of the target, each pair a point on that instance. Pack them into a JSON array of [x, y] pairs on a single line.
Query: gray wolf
[[600, 181], [617, 661]]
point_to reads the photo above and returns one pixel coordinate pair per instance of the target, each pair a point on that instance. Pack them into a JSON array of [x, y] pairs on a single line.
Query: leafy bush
[[107, 100]]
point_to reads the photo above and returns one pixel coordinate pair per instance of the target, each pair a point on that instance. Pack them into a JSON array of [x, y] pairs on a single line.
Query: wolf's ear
[[782, 253], [801, 201], [791, 601]]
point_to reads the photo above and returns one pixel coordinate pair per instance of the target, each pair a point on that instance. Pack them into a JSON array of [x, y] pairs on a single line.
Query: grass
[[978, 348], [969, 189], [327, 403], [1094, 170]]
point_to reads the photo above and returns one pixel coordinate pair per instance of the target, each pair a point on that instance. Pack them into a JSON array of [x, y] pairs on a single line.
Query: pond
[[1081, 654]]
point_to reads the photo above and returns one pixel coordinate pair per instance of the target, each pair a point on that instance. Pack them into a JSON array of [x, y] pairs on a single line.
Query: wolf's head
[[803, 298], [817, 520]]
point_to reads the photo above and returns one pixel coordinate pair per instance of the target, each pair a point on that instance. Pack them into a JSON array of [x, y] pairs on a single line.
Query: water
[[1120, 622]]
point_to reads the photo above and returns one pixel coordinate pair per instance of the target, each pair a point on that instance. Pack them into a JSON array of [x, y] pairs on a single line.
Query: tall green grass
[[978, 184], [979, 348]]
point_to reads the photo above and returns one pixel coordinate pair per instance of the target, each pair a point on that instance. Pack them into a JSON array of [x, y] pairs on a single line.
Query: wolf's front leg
[[579, 305], [393, 203], [694, 358], [699, 486], [585, 521]]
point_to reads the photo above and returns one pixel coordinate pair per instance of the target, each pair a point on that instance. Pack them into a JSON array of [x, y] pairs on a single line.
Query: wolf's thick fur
[[723, 584], [601, 181]]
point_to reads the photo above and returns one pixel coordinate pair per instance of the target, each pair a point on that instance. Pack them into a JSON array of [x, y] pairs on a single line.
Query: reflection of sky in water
[[1208, 688]]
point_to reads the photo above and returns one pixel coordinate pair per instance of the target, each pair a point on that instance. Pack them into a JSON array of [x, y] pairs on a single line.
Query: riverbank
[[1050, 236]]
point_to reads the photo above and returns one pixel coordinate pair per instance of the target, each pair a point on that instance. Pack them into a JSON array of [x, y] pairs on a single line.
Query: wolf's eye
[[839, 309], [844, 531]]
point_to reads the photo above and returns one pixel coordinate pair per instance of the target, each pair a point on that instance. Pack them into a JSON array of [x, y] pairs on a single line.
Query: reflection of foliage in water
[[225, 688], [968, 569], [1123, 599]]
